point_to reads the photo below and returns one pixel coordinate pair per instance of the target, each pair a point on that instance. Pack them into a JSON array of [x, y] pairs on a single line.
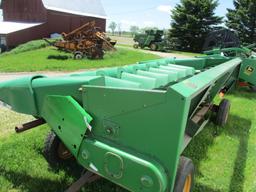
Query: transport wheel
[[97, 53], [135, 46], [223, 113], [153, 47], [55, 151], [78, 55], [253, 88], [185, 176]]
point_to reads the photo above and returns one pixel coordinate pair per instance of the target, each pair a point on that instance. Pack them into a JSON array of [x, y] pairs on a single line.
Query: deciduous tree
[[134, 29], [113, 27]]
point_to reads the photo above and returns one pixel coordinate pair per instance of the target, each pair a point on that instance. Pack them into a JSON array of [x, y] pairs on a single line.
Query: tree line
[[116, 29], [193, 20]]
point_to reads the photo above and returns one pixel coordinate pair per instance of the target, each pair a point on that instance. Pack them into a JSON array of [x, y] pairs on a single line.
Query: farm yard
[[38, 60], [143, 96], [38, 56], [223, 156]]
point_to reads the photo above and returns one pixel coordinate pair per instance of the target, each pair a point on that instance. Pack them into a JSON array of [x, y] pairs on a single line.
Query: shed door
[[2, 40]]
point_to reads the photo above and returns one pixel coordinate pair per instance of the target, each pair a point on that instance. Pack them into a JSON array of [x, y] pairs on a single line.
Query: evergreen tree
[[192, 20], [243, 20]]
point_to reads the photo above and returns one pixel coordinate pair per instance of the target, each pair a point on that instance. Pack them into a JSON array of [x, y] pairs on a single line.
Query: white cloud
[[164, 8]]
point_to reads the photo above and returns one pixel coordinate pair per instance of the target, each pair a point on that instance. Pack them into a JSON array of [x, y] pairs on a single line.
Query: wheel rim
[[188, 182], [78, 56], [136, 46], [153, 47], [63, 152]]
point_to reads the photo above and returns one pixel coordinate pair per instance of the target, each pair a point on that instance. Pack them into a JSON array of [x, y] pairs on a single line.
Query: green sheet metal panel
[[146, 82], [172, 76], [114, 82], [26, 95], [152, 123], [248, 71], [132, 172], [198, 82], [161, 79], [189, 70], [181, 73], [68, 120], [131, 122], [20, 95]]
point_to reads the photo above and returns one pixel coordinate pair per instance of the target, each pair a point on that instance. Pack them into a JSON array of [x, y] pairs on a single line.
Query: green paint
[[139, 114]]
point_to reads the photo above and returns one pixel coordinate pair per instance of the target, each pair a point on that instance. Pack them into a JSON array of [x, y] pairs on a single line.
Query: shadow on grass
[[58, 57], [238, 128], [241, 132], [72, 171], [244, 92], [25, 182], [203, 188]]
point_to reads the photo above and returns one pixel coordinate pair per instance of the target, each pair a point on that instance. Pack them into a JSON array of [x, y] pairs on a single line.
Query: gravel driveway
[[166, 55]]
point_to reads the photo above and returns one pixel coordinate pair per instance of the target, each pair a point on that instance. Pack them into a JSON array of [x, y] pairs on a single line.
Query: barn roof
[[92, 8], [10, 27]]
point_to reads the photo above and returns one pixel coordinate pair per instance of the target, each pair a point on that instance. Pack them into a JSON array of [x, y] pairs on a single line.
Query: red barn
[[25, 20]]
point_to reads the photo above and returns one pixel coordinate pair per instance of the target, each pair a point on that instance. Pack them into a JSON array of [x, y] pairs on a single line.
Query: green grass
[[225, 157], [32, 45], [37, 60]]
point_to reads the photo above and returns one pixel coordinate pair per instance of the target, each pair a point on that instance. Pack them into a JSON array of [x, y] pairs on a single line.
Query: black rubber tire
[[136, 46], [153, 47], [253, 89], [99, 53], [223, 113], [185, 170], [51, 147], [78, 56]]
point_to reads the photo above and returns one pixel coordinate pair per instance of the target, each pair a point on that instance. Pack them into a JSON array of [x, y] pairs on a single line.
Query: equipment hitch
[[29, 125]]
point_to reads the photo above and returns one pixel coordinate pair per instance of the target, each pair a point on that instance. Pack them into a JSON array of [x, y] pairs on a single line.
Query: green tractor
[[153, 39]]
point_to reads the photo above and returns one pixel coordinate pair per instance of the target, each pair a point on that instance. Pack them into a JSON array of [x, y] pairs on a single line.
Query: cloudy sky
[[147, 12]]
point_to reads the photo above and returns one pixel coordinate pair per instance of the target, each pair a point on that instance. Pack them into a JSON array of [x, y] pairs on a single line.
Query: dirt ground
[[128, 41], [123, 40], [166, 55]]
